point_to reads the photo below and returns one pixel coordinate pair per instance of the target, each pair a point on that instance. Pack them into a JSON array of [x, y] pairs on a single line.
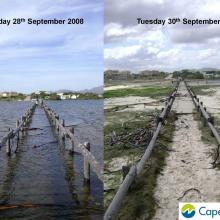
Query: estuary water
[[43, 180]]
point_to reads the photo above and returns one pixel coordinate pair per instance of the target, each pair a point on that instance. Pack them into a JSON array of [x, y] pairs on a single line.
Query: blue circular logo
[[188, 211]]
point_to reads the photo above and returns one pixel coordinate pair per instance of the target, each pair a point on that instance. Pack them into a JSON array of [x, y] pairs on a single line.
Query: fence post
[[8, 146], [57, 122], [17, 125], [86, 163], [72, 142], [125, 171], [24, 124], [63, 134]]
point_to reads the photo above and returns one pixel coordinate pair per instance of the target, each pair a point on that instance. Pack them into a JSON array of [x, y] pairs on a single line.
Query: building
[[9, 94]]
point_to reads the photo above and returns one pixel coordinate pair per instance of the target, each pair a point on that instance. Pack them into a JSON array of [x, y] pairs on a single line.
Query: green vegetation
[[19, 96], [44, 95], [187, 74], [89, 96], [55, 96], [122, 124], [213, 74], [140, 199], [116, 75], [152, 92], [203, 90], [206, 135]]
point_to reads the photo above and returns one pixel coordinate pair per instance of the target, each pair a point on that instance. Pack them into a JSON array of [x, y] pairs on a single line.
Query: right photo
[[162, 109]]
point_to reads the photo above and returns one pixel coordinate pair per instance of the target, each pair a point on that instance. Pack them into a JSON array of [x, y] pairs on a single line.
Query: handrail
[[84, 149], [200, 108], [136, 169], [20, 126]]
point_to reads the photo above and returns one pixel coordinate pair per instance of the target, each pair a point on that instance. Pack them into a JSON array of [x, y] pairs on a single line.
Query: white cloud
[[48, 49], [116, 30], [170, 47], [122, 52]]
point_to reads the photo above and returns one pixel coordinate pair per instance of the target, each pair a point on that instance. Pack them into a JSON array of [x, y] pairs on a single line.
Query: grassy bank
[[140, 200], [203, 90], [207, 137], [142, 91]]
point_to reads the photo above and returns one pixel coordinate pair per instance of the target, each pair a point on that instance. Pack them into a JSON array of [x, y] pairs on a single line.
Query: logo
[[188, 211]]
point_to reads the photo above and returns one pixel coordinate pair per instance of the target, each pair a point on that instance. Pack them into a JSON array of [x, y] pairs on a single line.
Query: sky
[[51, 57], [129, 46]]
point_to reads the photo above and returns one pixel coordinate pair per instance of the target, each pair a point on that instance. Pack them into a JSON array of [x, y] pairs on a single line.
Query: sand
[[212, 102], [187, 167], [108, 88], [134, 103]]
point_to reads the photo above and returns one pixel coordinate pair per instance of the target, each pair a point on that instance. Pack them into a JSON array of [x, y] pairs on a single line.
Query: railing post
[[72, 142], [17, 125], [125, 171], [8, 146], [86, 163], [63, 134], [24, 124], [57, 122]]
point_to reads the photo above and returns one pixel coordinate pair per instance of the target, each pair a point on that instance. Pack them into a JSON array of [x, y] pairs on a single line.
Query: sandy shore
[[212, 102], [134, 103], [188, 169]]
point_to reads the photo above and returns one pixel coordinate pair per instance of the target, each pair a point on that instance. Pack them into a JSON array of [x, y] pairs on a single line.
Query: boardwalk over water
[[44, 179]]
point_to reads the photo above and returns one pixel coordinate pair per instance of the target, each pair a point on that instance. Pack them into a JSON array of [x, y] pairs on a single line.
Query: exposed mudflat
[[140, 83], [188, 175], [212, 102], [134, 103], [118, 87]]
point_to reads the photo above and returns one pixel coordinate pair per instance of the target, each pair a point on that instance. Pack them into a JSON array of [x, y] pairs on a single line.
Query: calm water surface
[[46, 182]]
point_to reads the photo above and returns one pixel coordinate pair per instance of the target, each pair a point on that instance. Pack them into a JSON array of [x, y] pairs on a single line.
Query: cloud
[[171, 44], [45, 49], [122, 52]]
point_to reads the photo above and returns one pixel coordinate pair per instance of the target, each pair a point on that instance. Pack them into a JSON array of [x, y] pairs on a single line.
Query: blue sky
[[51, 57], [129, 46]]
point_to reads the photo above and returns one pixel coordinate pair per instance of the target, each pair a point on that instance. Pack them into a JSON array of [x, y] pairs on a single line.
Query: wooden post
[[22, 128], [17, 125], [63, 134], [8, 146], [57, 122], [125, 171], [86, 163], [212, 120], [204, 122], [72, 131]]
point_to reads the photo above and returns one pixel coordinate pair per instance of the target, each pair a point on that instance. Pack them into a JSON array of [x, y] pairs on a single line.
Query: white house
[[74, 96]]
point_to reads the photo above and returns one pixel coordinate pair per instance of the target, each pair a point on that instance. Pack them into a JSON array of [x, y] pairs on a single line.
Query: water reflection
[[46, 182]]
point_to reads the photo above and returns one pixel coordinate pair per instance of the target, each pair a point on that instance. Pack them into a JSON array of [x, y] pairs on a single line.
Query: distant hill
[[64, 91], [205, 69], [208, 69], [96, 90]]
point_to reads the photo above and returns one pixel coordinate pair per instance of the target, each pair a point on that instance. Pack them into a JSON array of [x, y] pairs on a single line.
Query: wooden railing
[[136, 169], [21, 125], [208, 120], [84, 149]]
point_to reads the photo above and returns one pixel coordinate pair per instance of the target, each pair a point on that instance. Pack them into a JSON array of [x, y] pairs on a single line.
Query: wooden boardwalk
[[63, 132]]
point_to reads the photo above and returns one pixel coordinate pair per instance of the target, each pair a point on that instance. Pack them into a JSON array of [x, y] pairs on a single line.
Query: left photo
[[51, 109]]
